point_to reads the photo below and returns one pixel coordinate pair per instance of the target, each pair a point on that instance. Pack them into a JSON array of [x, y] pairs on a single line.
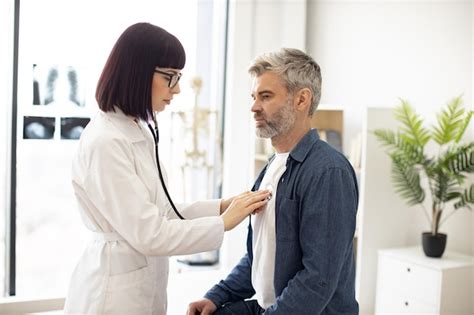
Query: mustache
[[259, 115]]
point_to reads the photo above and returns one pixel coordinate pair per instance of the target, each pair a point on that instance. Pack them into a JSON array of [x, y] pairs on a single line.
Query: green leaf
[[398, 143], [453, 195], [450, 122], [463, 127], [443, 186], [387, 137], [406, 180], [412, 125], [459, 159], [466, 199]]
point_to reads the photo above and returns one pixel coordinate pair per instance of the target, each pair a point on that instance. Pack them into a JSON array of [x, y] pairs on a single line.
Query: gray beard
[[281, 123]]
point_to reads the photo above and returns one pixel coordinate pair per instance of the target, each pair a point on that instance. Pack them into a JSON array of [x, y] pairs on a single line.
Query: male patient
[[299, 256]]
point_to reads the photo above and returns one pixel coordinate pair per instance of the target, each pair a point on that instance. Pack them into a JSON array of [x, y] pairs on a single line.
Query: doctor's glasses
[[173, 78]]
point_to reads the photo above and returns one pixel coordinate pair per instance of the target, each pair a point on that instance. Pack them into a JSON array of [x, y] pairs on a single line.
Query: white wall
[[373, 52]]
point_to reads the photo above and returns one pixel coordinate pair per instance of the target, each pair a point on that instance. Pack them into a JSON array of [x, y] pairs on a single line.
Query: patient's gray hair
[[297, 69]]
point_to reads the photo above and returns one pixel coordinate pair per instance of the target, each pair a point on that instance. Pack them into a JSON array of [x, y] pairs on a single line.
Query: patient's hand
[[202, 307]]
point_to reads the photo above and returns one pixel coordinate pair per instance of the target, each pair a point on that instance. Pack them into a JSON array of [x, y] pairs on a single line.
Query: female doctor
[[121, 189]]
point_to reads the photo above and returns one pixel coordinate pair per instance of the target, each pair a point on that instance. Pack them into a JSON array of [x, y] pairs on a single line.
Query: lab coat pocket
[[287, 220], [130, 292]]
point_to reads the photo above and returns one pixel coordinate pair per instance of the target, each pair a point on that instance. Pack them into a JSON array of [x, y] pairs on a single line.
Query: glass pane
[[63, 47]]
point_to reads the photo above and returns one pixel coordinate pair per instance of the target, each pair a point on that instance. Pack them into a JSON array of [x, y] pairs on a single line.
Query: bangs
[[172, 54]]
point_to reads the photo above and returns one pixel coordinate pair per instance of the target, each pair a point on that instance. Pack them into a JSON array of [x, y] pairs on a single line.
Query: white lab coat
[[124, 269]]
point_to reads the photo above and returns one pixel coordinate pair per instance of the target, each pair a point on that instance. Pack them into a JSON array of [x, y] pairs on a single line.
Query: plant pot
[[434, 245]]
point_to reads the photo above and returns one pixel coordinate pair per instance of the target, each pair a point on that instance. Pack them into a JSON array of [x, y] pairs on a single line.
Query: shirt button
[[282, 179]]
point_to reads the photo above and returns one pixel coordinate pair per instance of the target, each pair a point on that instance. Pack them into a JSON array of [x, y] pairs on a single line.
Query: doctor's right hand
[[243, 205]]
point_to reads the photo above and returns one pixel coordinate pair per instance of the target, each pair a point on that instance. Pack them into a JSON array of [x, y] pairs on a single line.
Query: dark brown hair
[[127, 77]]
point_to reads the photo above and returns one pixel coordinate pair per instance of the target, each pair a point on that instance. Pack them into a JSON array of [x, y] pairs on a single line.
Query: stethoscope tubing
[[156, 138]]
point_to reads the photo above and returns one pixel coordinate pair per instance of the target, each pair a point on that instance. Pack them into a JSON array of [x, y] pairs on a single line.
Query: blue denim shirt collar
[[304, 145], [299, 153]]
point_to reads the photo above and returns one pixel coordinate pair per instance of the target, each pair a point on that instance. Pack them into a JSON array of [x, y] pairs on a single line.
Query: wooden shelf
[[330, 120]]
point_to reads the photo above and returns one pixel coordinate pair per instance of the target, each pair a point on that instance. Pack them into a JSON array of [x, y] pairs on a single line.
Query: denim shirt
[[315, 216]]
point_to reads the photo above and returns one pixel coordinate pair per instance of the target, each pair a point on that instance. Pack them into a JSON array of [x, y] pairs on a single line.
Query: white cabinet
[[187, 284], [408, 282]]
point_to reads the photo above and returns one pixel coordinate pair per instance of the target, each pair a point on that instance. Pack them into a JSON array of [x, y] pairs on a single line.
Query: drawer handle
[[406, 303], [408, 269]]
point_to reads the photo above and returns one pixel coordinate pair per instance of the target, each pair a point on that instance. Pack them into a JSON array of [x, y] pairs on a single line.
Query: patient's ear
[[302, 99]]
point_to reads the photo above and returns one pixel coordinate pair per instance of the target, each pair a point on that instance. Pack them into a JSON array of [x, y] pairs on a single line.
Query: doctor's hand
[[243, 205], [225, 203], [202, 307]]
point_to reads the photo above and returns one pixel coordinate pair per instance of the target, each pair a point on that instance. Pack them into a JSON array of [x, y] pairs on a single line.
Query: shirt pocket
[[287, 220]]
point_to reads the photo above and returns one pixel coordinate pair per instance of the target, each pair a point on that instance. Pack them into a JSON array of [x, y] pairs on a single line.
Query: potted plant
[[442, 176]]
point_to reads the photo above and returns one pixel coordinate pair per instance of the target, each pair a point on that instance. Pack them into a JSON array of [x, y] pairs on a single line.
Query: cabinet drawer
[[402, 304], [416, 282]]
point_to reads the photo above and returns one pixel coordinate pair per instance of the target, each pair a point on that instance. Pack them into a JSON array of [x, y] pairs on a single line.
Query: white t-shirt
[[263, 240]]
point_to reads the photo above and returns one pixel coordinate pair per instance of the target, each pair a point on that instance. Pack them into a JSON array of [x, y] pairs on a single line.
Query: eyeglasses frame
[[170, 77]]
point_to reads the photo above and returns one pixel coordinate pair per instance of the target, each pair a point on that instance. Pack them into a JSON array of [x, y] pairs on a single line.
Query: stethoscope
[[156, 137]]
